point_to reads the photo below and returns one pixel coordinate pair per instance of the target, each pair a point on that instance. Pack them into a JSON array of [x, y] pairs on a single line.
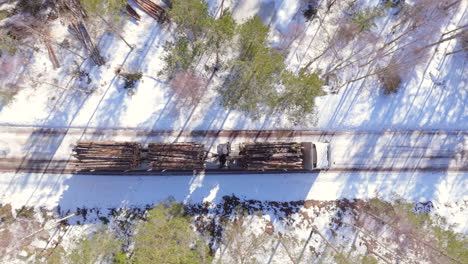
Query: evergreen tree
[[300, 91], [191, 17], [167, 237], [254, 75], [99, 248]]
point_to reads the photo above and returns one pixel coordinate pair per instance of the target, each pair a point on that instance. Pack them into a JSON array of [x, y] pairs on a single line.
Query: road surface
[[33, 149]]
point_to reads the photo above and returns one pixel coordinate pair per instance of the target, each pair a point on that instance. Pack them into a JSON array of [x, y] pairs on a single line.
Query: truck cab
[[316, 155]]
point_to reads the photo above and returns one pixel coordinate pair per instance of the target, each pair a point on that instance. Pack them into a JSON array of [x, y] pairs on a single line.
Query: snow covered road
[[25, 147]]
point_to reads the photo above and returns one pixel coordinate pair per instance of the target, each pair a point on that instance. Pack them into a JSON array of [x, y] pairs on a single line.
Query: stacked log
[[153, 10], [176, 156], [132, 12], [271, 156], [82, 34], [118, 156]]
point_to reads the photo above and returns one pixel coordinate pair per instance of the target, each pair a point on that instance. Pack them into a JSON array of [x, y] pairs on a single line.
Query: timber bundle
[[119, 156], [153, 10], [82, 34], [132, 12], [271, 156], [176, 156]]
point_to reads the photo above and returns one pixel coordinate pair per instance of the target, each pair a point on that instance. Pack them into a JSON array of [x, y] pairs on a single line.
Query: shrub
[[25, 212], [390, 78], [8, 43], [4, 14], [6, 215], [311, 11], [364, 18], [29, 6], [131, 79]]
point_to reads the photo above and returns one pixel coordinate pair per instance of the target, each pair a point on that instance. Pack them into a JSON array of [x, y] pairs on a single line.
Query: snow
[[420, 104], [433, 98], [91, 191]]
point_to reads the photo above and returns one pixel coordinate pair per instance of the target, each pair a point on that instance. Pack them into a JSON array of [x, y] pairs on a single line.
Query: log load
[[153, 10], [271, 156], [103, 156], [176, 156]]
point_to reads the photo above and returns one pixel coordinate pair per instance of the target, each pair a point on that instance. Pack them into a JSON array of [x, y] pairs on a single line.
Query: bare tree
[[293, 32], [188, 86]]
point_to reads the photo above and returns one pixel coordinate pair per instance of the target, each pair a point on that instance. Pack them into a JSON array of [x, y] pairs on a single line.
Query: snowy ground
[[434, 97], [72, 191]]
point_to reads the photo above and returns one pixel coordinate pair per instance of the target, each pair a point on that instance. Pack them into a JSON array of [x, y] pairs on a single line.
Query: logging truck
[[192, 156]]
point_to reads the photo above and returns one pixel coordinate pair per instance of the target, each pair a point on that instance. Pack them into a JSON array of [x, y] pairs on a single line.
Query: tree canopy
[[168, 237]]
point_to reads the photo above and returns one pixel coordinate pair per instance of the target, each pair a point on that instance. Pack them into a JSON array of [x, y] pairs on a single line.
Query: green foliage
[[424, 225], [255, 73], [56, 256], [252, 84], [197, 32], [406, 210], [253, 37], [223, 29], [341, 258], [191, 17], [8, 43], [131, 79], [221, 33], [6, 215], [120, 258], [454, 244], [4, 14], [181, 54], [368, 259], [365, 17], [99, 248], [167, 237], [25, 212], [299, 94], [103, 7]]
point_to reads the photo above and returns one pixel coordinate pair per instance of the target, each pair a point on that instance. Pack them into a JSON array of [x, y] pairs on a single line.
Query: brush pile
[[176, 156], [153, 10], [271, 156], [119, 156], [81, 33]]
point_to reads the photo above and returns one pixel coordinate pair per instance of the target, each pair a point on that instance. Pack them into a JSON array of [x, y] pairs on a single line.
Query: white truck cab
[[316, 155]]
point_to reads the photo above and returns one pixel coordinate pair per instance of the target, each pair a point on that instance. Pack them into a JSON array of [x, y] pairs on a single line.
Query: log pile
[[176, 156], [153, 10], [81, 33], [271, 156], [132, 12], [118, 156]]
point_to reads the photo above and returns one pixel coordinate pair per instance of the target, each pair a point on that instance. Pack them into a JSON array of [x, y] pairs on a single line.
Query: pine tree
[[191, 17], [298, 97], [167, 237]]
